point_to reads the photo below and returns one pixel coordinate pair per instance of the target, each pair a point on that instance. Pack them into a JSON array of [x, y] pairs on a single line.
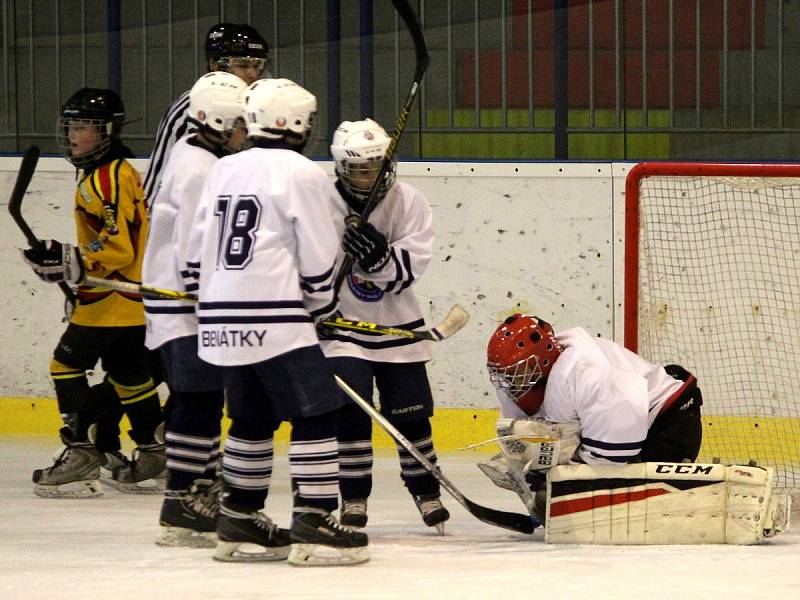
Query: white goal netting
[[719, 293]]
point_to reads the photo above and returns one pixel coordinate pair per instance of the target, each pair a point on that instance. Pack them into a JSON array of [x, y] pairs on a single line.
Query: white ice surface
[[103, 549]]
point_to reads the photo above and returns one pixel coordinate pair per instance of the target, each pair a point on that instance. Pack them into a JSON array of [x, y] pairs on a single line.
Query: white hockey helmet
[[277, 108], [358, 149], [215, 100]]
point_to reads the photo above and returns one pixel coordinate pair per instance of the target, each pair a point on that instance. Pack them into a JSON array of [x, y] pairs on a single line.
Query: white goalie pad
[[536, 444], [662, 503]]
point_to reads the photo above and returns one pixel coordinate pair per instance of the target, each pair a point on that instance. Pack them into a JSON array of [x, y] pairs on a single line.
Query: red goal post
[[712, 281]]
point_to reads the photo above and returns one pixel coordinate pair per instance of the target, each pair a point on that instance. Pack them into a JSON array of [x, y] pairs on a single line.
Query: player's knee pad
[[662, 503], [196, 412], [245, 429], [130, 393], [354, 423], [417, 429]]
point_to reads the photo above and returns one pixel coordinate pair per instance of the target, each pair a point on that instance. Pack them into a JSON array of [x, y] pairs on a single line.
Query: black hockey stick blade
[[499, 518], [24, 176], [422, 59]]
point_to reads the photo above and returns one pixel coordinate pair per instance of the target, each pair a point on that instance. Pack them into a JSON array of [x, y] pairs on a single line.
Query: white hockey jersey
[[387, 296], [167, 249], [611, 392], [268, 257]]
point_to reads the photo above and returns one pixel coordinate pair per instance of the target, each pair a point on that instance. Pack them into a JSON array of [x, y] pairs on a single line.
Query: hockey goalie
[[599, 444]]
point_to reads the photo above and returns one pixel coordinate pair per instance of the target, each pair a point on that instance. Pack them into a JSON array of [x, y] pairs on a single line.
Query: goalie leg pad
[[660, 503]]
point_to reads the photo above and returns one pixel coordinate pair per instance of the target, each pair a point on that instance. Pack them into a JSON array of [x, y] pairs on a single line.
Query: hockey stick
[[456, 318], [145, 291], [24, 176], [452, 323], [507, 520], [421, 49]]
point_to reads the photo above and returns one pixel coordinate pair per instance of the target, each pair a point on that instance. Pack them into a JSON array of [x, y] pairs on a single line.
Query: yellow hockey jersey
[[111, 220]]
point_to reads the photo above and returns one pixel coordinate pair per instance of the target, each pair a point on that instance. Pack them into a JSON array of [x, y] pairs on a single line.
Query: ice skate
[[238, 531], [319, 540], [74, 474], [145, 473], [354, 513], [433, 512], [189, 517]]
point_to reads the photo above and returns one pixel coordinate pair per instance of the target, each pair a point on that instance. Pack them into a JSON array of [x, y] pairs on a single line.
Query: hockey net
[[712, 282]]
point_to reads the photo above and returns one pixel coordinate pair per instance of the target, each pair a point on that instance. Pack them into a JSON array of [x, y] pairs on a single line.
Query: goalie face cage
[[712, 282]]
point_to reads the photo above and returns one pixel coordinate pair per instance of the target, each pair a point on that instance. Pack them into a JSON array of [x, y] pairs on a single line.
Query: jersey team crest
[[363, 289]]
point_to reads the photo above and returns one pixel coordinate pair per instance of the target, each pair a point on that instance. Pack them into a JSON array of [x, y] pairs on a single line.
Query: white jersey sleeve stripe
[[612, 445]]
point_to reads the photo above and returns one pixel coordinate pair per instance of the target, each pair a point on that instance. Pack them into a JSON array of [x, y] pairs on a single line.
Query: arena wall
[[542, 238]]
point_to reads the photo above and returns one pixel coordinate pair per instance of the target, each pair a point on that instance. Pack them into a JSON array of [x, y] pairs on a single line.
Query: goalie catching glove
[[537, 444], [54, 262]]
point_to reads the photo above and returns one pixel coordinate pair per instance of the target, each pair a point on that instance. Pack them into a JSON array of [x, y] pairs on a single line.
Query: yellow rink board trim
[[455, 428]]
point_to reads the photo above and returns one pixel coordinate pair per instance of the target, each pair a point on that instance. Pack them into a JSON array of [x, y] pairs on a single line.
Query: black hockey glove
[[324, 332], [54, 262], [367, 246]]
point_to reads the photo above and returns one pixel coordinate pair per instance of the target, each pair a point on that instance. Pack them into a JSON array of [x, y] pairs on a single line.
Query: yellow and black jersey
[[111, 220]]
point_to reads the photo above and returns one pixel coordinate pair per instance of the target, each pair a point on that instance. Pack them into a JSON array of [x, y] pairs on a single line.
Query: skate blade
[[234, 552], [90, 488], [317, 555], [439, 528], [146, 487], [181, 537]]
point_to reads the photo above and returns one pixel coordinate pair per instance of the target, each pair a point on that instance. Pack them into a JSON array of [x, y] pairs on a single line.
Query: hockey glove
[[367, 246], [324, 332], [54, 262]]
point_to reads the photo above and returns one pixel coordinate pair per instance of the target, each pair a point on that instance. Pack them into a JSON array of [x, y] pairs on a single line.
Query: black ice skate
[[318, 539], [354, 513], [433, 512], [74, 474], [236, 529], [189, 517], [145, 473]]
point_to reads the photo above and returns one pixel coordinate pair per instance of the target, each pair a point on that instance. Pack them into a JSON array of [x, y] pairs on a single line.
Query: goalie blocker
[[663, 503]]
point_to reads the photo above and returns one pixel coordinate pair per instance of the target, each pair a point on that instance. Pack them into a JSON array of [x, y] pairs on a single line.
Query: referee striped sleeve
[[172, 127]]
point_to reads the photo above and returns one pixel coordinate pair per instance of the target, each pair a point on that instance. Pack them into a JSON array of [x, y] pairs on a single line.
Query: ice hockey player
[[390, 253], [267, 263], [231, 47], [189, 511], [599, 444], [107, 326]]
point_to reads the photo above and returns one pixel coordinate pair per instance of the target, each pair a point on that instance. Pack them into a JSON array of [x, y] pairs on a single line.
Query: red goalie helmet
[[520, 355]]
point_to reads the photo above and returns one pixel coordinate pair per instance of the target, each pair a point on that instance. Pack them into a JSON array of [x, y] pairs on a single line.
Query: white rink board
[[543, 238]]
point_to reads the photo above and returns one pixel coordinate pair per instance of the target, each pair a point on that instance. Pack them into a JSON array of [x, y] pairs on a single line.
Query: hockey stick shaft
[[453, 322], [24, 176], [456, 318], [414, 27], [507, 520], [145, 291]]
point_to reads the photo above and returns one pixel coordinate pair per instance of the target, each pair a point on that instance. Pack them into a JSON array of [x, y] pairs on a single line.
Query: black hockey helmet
[[232, 39], [91, 107]]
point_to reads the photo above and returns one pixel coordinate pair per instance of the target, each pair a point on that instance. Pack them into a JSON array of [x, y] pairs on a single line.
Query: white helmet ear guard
[[358, 149], [277, 108], [215, 101]]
